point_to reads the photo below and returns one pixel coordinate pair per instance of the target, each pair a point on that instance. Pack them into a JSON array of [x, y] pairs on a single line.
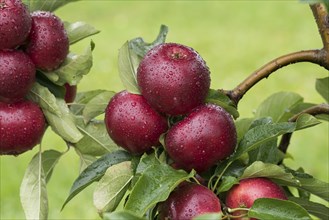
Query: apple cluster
[[28, 42], [174, 82]]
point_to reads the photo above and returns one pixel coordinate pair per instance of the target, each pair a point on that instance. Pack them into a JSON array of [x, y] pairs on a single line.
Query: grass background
[[234, 37]]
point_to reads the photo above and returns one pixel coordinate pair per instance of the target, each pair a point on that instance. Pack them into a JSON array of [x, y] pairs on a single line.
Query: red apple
[[203, 138], [133, 124], [248, 190], [22, 125], [17, 75], [48, 41], [15, 23], [173, 78], [187, 201]]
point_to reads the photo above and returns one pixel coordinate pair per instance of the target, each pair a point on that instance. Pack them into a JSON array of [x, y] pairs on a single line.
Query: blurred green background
[[234, 37]]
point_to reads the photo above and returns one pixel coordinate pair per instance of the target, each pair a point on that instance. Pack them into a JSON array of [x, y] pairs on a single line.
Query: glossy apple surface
[[173, 78], [203, 138], [22, 125], [132, 123], [187, 201], [248, 190], [17, 75], [48, 41], [15, 23]]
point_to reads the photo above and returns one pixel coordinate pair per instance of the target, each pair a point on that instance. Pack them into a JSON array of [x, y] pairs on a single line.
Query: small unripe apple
[[187, 201], [133, 124], [17, 75], [173, 78], [22, 125], [48, 41], [70, 92], [248, 190], [15, 23], [203, 138]]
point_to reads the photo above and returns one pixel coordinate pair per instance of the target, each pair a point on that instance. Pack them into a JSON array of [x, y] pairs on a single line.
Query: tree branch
[[319, 57], [314, 110], [322, 20]]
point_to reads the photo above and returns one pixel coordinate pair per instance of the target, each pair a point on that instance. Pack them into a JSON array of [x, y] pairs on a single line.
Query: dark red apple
[[173, 78], [48, 41], [203, 138], [70, 92], [187, 201], [22, 125], [132, 123], [248, 190], [15, 23], [17, 75]]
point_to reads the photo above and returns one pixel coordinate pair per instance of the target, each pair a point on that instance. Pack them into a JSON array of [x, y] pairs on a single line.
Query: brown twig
[[314, 110], [319, 57], [322, 20]]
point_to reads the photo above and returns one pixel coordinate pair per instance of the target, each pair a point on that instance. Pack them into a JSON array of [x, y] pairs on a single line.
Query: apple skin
[[48, 43], [173, 78], [17, 75], [22, 126], [133, 124], [187, 201], [15, 23], [70, 92], [248, 190], [203, 138]]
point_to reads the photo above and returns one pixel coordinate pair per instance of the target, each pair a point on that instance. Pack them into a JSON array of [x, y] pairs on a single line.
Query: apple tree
[[166, 147]]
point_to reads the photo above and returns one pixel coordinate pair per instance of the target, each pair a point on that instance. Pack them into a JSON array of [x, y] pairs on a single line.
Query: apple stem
[[314, 110], [316, 56], [246, 210]]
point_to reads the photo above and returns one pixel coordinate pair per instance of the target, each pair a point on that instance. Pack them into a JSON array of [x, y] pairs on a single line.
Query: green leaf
[[97, 105], [33, 191], [44, 98], [209, 216], [306, 121], [96, 140], [261, 134], [278, 106], [154, 186], [79, 30], [324, 117], [45, 5], [322, 87], [112, 187], [267, 153], [121, 215], [316, 209], [82, 98], [140, 47], [85, 160], [56, 112], [242, 126], [265, 208], [63, 124], [227, 183], [308, 183], [73, 68], [273, 171], [219, 98], [128, 62], [95, 171], [56, 90], [314, 186], [49, 161]]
